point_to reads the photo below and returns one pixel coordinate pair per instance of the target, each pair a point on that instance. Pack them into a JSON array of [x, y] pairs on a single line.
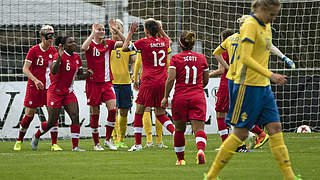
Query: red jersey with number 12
[[189, 67], [62, 82], [154, 51]]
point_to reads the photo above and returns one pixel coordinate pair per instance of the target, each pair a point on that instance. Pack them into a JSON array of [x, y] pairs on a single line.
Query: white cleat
[[149, 145], [98, 148], [34, 143], [136, 148], [109, 144], [77, 149], [161, 145]]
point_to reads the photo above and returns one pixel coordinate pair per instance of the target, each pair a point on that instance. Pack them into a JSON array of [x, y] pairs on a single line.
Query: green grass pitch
[[154, 163]]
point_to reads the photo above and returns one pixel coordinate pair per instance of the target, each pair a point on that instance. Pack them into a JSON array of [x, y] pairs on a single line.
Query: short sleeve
[[139, 44], [248, 32], [31, 56], [173, 62], [205, 64], [111, 43]]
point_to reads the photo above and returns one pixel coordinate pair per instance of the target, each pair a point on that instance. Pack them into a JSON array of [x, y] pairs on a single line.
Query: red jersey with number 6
[[154, 51], [62, 82], [189, 67]]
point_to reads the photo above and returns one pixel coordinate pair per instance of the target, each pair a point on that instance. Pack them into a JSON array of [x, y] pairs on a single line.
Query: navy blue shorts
[[124, 95], [252, 105]]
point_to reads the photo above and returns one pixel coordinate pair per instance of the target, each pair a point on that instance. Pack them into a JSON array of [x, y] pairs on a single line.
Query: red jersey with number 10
[[41, 62], [189, 67], [62, 82], [98, 60], [154, 51]]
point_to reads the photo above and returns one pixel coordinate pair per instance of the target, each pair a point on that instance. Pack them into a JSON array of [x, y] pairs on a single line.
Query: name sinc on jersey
[[190, 58]]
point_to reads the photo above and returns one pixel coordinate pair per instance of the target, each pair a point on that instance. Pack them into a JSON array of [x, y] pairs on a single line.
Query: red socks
[[179, 144]]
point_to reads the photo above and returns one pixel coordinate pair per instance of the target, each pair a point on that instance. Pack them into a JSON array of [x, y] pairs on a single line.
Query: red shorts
[[98, 93], [56, 101], [151, 96], [35, 98], [222, 103], [189, 108]]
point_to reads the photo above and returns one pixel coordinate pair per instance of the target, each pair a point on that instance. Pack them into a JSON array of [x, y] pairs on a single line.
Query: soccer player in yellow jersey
[[119, 62], [252, 99], [147, 123]]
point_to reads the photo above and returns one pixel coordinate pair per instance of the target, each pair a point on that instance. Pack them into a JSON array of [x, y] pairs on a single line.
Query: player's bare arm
[[169, 84], [163, 34], [133, 28], [26, 71], [85, 45], [217, 72], [56, 64]]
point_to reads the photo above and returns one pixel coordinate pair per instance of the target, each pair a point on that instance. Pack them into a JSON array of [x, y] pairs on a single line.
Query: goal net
[[296, 33]]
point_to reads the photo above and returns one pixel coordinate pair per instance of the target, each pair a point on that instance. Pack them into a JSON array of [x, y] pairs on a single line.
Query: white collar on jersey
[[41, 48], [94, 41], [66, 53]]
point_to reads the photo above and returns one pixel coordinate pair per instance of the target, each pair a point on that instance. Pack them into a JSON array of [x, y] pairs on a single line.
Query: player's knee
[[180, 126], [124, 112], [274, 128]]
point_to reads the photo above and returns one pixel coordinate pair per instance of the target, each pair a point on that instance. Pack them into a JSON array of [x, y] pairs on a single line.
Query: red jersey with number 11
[[189, 67]]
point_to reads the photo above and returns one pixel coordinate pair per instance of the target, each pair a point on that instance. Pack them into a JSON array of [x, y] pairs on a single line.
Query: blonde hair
[[265, 4], [119, 24], [187, 40], [45, 28], [242, 19]]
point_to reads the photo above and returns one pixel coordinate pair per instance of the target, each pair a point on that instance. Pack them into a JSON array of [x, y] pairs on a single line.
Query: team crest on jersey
[[51, 103], [244, 116], [30, 102], [50, 56], [77, 61], [68, 61]]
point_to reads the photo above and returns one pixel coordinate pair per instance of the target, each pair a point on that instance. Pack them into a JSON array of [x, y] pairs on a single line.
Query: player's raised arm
[[125, 46], [86, 43], [274, 50], [116, 27], [162, 33]]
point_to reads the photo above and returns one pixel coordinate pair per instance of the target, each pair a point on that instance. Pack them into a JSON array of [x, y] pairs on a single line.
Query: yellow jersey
[[138, 65], [231, 44], [258, 33], [119, 62]]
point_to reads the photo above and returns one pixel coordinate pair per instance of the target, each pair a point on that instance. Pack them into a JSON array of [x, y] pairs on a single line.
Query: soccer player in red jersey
[[191, 73], [99, 85], [154, 51], [60, 92], [37, 69]]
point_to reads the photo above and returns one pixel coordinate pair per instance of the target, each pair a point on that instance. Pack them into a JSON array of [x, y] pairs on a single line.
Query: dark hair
[[226, 33], [152, 27], [61, 40], [187, 40], [266, 4]]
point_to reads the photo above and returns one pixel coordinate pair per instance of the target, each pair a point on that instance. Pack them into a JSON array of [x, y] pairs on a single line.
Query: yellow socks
[[123, 128], [159, 129], [227, 150], [116, 130], [280, 153], [147, 124]]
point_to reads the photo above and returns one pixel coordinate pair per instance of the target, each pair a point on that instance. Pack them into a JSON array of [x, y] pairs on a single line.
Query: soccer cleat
[[98, 148], [56, 147], [109, 144], [180, 162], [243, 148], [148, 145], [34, 143], [123, 145], [17, 146], [261, 141], [77, 149], [136, 148], [201, 158], [161, 145]]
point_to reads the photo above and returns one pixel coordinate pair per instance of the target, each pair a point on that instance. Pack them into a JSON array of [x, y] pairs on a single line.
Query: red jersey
[[98, 60], [223, 79], [154, 51], [189, 67], [41, 62], [62, 82]]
